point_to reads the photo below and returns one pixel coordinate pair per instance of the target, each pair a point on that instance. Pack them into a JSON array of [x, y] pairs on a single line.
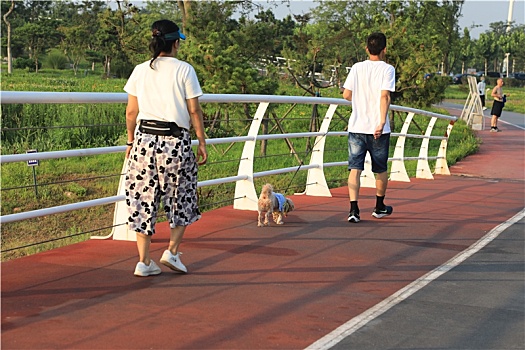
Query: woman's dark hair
[[375, 43], [159, 42]]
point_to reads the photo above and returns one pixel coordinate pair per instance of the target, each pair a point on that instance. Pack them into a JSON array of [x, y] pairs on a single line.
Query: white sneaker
[[144, 270], [173, 261], [484, 108]]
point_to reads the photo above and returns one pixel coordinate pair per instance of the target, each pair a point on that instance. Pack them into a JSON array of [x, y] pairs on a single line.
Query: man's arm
[[347, 95], [383, 108]]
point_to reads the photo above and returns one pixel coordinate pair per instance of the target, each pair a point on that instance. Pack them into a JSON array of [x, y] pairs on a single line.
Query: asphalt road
[[477, 305], [516, 119]]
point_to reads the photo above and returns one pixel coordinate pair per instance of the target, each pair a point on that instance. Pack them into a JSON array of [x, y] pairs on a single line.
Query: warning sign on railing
[[32, 162]]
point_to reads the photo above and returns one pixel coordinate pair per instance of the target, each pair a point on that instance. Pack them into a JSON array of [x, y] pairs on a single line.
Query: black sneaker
[[387, 210], [353, 216]]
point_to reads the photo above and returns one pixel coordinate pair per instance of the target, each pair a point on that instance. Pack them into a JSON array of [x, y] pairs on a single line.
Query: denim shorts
[[359, 144]]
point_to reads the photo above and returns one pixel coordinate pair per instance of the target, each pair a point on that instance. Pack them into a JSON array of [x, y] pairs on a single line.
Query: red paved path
[[261, 288]]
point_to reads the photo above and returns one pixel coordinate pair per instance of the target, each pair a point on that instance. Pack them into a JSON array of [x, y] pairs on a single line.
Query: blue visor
[[175, 36]]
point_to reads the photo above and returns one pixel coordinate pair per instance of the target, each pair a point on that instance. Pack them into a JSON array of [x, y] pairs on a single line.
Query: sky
[[474, 12]]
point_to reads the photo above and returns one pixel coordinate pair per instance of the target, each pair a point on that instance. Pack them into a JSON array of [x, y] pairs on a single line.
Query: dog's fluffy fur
[[269, 204]]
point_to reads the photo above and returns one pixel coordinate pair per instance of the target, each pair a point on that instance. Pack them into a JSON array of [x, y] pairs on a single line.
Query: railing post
[[120, 218], [398, 171], [441, 162], [245, 194], [120, 230], [315, 180], [423, 169]]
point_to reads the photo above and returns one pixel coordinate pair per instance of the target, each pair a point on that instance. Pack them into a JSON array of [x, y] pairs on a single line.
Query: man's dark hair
[[375, 43], [159, 42]]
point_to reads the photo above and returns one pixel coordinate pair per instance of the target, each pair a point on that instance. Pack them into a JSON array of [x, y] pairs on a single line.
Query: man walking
[[368, 87]]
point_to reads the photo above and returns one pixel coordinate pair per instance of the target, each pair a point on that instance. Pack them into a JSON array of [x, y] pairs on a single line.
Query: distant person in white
[[481, 88], [368, 86]]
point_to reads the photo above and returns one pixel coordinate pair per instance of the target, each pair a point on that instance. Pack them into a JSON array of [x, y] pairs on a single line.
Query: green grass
[[62, 181], [60, 80]]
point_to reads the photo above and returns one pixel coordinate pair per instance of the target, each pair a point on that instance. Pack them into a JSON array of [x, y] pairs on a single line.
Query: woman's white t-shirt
[[366, 80], [162, 92]]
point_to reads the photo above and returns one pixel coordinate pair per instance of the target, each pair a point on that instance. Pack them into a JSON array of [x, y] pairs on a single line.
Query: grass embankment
[[62, 181]]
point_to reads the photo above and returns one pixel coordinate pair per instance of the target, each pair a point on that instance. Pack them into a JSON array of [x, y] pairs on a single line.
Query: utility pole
[[509, 20]]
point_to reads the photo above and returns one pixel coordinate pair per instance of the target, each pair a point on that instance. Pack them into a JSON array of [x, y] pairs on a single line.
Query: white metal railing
[[245, 193]]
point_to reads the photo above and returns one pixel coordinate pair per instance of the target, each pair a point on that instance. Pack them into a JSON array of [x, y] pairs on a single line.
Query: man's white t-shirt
[[366, 80], [162, 92]]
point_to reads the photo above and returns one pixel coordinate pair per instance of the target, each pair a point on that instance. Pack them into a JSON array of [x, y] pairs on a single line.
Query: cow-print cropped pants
[[161, 167]]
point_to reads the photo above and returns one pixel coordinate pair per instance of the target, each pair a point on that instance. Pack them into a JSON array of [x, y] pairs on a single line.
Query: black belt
[[156, 127]]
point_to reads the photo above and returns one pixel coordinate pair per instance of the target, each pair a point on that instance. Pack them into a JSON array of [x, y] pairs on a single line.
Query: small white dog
[[273, 203]]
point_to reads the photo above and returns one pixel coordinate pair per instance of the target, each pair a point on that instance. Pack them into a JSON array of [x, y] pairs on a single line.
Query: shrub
[[56, 60], [25, 63], [122, 69], [512, 82]]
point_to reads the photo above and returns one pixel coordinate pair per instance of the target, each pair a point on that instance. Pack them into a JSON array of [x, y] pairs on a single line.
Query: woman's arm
[[195, 110], [132, 111]]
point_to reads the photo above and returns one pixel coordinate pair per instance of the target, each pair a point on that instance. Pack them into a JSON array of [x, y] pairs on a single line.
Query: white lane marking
[[505, 122], [359, 321], [514, 125]]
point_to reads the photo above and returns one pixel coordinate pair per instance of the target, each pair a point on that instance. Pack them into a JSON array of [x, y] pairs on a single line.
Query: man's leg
[[356, 160], [494, 122], [381, 184], [354, 184], [380, 168]]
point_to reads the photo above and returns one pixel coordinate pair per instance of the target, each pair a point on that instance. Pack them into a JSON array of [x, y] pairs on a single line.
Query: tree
[[8, 24], [340, 28], [225, 51], [88, 16], [512, 43], [516, 48], [418, 40], [74, 43], [38, 36], [155, 10], [466, 49], [486, 47], [116, 37]]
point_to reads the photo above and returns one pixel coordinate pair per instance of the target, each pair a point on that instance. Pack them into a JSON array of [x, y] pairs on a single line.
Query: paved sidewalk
[[286, 287]]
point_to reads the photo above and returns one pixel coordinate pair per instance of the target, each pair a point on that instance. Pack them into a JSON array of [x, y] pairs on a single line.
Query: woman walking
[[163, 102]]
